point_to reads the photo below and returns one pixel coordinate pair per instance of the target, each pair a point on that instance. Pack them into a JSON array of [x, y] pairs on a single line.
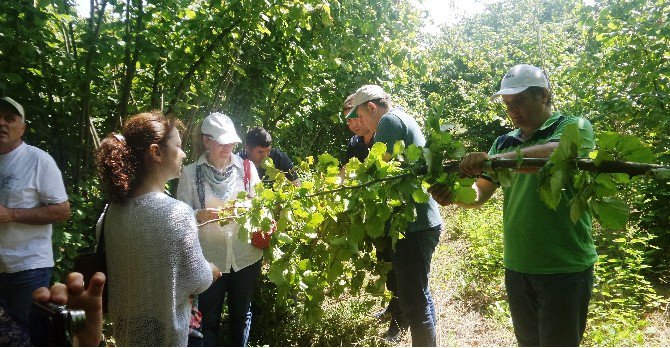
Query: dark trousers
[[240, 289], [16, 291], [384, 253], [549, 309], [411, 263]]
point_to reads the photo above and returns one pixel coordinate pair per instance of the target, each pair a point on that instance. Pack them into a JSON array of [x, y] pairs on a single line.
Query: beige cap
[[364, 94]]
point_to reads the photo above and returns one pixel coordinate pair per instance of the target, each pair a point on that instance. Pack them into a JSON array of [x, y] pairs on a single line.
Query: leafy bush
[[652, 214], [346, 321], [481, 284], [78, 234], [622, 295]]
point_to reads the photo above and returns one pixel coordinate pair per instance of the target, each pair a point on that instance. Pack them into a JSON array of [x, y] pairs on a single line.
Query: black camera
[[55, 325]]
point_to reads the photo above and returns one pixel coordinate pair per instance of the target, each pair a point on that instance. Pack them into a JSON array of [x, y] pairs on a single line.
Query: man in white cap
[[412, 255], [32, 197], [548, 259]]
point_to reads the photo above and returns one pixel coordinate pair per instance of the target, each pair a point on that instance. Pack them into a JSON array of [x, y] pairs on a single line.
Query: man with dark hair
[[360, 143], [413, 254], [258, 146], [32, 197], [548, 259]]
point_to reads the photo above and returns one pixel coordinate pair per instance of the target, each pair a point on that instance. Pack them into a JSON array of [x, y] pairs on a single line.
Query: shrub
[[481, 284], [346, 321], [78, 233], [622, 295]]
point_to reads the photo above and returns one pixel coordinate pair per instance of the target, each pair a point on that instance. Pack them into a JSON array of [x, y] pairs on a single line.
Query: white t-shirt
[[29, 178], [220, 244]]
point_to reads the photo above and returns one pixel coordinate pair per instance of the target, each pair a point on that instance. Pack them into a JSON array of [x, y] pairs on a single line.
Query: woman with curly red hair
[[154, 257]]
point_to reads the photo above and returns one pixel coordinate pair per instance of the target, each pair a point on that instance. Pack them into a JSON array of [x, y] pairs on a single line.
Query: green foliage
[[621, 291], [269, 63], [560, 167], [482, 285], [612, 212], [346, 321], [617, 147], [652, 213], [596, 193], [323, 241], [329, 227], [628, 91], [78, 234]]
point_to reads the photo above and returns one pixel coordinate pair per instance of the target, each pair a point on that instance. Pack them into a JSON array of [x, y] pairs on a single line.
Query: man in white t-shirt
[[32, 197]]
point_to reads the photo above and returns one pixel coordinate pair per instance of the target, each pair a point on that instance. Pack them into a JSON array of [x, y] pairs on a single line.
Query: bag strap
[[100, 245], [247, 176], [200, 186]]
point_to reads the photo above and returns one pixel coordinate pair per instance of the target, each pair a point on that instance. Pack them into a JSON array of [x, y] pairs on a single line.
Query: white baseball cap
[[221, 128], [364, 94], [519, 78], [14, 105]]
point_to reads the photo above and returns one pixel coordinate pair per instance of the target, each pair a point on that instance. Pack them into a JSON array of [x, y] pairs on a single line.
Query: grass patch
[[481, 285]]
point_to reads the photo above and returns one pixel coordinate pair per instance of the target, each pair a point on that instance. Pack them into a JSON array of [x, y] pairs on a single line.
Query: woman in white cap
[[215, 178]]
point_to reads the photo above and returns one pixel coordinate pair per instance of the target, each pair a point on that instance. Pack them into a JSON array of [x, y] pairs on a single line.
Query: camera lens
[[77, 321]]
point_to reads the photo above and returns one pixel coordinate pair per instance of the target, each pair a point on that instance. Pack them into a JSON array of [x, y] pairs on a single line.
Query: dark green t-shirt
[[537, 239], [396, 125]]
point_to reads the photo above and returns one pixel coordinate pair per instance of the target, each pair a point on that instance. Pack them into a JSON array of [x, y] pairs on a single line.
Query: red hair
[[121, 158]]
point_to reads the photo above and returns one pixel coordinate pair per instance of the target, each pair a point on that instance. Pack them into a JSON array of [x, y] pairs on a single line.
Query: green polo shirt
[[537, 239]]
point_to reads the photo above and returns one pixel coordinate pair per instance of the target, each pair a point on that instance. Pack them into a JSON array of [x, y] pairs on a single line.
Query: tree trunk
[[155, 90], [94, 24], [130, 59]]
